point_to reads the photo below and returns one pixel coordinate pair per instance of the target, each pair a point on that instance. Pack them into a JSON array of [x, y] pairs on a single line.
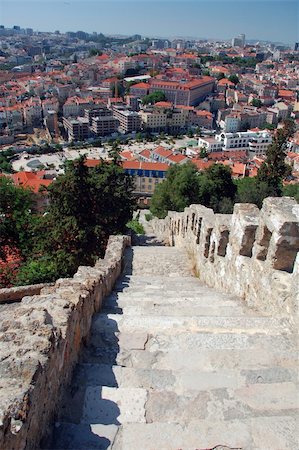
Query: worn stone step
[[200, 298], [69, 436], [180, 309], [119, 405], [262, 433], [178, 380], [213, 352], [174, 325], [223, 403], [108, 405], [148, 280]]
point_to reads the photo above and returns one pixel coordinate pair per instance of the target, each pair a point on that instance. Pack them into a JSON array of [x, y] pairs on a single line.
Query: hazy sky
[[276, 20]]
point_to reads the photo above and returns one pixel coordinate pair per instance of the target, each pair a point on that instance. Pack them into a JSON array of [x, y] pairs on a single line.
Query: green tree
[[86, 206], [217, 189], [292, 190], [220, 75], [250, 190], [184, 185], [256, 102], [179, 190], [157, 96], [274, 168], [16, 217], [203, 152], [234, 79]]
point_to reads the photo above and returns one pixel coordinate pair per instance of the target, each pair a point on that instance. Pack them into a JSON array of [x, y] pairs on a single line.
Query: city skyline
[[270, 20]]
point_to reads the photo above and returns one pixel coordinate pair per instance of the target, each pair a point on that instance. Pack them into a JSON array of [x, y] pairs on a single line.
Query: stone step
[[262, 433], [119, 405], [180, 380], [180, 310], [202, 298], [70, 436], [174, 325], [213, 352]]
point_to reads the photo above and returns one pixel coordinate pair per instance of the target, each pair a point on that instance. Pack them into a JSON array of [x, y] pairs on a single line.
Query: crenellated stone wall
[[40, 340], [251, 253]]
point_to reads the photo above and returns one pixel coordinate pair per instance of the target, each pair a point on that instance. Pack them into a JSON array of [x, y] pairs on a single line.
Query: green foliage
[[220, 75], [157, 96], [274, 169], [148, 217], [95, 52], [16, 217], [135, 226], [217, 189], [40, 270], [184, 185], [256, 102], [250, 190], [291, 190], [86, 206], [234, 79], [268, 126], [203, 153], [179, 190], [5, 161]]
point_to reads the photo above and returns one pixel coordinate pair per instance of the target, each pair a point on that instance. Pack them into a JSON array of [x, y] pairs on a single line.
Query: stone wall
[[40, 339], [15, 294], [252, 253]]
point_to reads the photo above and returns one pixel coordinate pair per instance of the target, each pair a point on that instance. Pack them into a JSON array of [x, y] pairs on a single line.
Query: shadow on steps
[[87, 418]]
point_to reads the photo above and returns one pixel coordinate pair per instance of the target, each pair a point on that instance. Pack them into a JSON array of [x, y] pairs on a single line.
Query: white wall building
[[256, 143]]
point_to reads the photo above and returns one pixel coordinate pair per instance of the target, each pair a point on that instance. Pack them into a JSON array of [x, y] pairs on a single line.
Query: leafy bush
[[135, 226], [148, 216]]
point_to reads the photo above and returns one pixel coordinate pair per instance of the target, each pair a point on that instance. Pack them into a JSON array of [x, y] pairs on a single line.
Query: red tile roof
[[145, 165], [31, 180]]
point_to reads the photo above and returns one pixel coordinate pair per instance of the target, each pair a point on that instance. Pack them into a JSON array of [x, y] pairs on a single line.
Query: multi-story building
[[96, 111], [129, 121], [77, 129], [104, 125], [189, 93], [139, 90], [146, 175], [164, 117], [210, 144], [239, 41], [255, 143]]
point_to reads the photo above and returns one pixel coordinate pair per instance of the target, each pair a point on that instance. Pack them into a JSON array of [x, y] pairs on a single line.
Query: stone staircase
[[172, 364]]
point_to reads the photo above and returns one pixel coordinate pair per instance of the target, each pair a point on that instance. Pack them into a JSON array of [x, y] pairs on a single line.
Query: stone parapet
[[40, 340], [15, 294], [251, 253]]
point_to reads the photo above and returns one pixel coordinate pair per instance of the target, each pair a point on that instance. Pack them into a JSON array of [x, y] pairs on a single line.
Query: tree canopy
[[16, 217], [184, 185], [274, 168], [86, 206], [157, 96]]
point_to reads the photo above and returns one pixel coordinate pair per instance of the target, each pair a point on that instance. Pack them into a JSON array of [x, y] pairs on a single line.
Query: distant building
[[255, 143], [104, 125], [239, 41], [146, 175], [129, 121], [296, 46], [77, 129], [189, 93]]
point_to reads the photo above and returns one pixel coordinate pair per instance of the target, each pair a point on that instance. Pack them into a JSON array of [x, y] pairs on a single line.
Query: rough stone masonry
[[190, 363]]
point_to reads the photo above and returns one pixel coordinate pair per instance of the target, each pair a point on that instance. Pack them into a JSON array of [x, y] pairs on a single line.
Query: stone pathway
[[172, 364]]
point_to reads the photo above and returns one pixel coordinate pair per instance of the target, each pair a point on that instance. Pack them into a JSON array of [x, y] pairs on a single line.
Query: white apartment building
[[210, 144], [255, 143]]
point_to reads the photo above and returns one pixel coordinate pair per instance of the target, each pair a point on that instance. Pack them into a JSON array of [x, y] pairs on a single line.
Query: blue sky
[[276, 20]]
